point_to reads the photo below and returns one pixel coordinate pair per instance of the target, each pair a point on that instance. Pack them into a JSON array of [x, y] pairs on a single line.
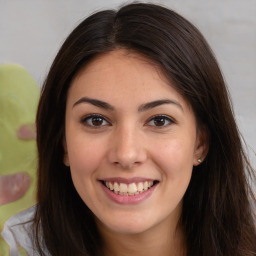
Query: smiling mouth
[[130, 189]]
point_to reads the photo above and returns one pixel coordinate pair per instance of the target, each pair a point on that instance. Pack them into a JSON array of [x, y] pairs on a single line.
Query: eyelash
[[89, 118]]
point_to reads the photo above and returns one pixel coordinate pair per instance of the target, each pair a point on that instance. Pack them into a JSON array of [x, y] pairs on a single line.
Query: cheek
[[176, 158], [82, 157], [84, 163]]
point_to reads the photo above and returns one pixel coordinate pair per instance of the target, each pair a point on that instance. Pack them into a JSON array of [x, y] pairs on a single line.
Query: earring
[[199, 160]]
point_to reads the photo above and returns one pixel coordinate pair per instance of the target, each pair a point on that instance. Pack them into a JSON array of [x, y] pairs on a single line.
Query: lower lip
[[122, 199]]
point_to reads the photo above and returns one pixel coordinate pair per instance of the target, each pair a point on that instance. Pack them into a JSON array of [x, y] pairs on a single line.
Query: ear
[[201, 146], [65, 156]]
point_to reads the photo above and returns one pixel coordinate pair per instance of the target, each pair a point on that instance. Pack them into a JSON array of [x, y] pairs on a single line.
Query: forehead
[[121, 62], [122, 74]]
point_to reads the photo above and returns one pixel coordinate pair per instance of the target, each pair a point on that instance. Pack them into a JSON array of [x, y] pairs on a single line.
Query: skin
[[130, 142]]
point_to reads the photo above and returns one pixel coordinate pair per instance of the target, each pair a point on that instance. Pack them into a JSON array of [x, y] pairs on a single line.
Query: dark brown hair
[[217, 214]]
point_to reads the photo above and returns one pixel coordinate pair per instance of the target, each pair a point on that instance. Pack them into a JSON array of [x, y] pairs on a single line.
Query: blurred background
[[32, 31]]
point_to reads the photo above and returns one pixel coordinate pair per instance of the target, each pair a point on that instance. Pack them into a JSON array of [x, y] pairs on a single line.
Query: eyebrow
[[157, 103], [142, 108], [97, 103]]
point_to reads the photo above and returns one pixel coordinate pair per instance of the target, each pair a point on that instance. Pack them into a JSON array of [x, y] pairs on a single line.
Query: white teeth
[[145, 185], [140, 187], [132, 188], [116, 187], [123, 188], [129, 189], [111, 187]]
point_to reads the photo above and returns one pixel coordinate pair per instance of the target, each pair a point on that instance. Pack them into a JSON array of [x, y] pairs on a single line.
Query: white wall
[[31, 32]]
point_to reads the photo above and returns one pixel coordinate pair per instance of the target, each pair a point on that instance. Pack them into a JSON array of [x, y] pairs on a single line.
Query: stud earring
[[199, 160]]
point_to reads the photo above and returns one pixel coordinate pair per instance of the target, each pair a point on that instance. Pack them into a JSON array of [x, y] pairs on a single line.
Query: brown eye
[[160, 121], [94, 121], [97, 121]]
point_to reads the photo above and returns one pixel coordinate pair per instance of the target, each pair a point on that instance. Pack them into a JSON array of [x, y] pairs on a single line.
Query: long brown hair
[[217, 208]]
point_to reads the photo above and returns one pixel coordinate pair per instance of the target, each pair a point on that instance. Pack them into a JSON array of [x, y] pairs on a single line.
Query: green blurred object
[[22, 252], [19, 95]]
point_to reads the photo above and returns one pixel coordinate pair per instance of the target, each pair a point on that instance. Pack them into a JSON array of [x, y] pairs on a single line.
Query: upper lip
[[127, 180]]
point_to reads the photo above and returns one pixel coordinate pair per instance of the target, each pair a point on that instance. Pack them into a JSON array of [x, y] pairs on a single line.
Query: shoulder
[[18, 233]]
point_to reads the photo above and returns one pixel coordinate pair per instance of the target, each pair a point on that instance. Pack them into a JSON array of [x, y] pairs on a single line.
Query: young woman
[[139, 153]]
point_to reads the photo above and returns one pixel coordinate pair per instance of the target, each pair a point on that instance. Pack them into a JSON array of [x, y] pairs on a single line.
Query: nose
[[126, 148]]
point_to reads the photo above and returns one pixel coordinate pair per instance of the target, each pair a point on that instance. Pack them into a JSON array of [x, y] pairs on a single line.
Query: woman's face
[[131, 142]]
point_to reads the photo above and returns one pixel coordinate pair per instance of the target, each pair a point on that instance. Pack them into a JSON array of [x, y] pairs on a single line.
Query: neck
[[156, 241]]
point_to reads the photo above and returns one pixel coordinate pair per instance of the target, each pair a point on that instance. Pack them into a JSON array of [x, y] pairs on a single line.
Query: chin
[[130, 226]]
